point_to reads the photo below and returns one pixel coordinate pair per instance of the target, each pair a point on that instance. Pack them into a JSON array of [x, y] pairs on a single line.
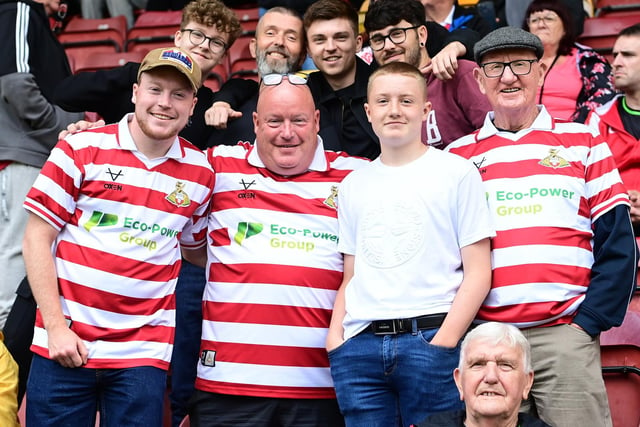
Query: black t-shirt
[[630, 121], [351, 130]]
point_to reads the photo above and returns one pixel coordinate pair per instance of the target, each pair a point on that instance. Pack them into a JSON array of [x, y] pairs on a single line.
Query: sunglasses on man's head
[[276, 79]]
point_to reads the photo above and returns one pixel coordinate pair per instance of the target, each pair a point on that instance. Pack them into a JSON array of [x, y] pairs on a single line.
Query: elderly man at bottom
[[493, 376], [564, 257], [273, 270]]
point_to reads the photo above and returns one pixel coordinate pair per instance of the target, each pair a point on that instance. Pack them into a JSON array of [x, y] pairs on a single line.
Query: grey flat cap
[[507, 38]]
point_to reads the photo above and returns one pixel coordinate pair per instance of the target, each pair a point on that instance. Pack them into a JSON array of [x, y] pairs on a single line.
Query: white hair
[[495, 333]]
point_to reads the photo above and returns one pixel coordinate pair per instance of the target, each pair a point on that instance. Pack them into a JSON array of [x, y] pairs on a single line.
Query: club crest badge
[[332, 200], [178, 197], [553, 160]]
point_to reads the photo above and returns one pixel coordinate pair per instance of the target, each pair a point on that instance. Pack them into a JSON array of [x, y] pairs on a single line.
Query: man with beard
[[114, 203], [278, 47], [397, 32]]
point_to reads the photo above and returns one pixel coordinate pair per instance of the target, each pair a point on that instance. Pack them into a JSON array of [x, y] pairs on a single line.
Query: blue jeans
[[186, 345], [60, 397], [393, 380]]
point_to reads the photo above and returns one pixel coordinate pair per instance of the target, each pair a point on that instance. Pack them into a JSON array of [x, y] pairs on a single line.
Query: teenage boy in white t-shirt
[[414, 231]]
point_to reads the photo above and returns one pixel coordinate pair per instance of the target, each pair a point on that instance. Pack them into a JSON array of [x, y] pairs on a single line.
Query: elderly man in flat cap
[[564, 258]]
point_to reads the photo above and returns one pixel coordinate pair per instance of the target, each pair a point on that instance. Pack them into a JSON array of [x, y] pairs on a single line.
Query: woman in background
[[578, 79]]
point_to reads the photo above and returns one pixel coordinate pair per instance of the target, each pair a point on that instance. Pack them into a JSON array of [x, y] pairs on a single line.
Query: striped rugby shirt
[[120, 217], [546, 186], [273, 273]]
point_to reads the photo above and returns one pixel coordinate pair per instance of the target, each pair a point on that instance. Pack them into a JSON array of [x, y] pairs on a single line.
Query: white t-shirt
[[406, 225]]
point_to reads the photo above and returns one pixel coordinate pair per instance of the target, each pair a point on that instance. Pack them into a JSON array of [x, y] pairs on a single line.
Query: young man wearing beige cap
[[101, 248]]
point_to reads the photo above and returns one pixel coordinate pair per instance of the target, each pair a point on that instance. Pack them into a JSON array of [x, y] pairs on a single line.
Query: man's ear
[[457, 378], [477, 74], [133, 92], [423, 34], [366, 110], [527, 387], [252, 48], [255, 122]]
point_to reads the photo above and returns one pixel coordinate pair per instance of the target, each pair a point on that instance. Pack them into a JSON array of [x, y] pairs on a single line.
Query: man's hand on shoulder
[[79, 127], [445, 64]]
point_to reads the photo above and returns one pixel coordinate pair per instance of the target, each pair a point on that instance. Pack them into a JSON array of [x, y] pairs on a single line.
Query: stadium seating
[[620, 355], [239, 51], [600, 33], [244, 69], [217, 77], [95, 61], [153, 29], [616, 7], [248, 19], [106, 34]]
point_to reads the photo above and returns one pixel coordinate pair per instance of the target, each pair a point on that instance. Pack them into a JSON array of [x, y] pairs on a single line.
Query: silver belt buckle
[[385, 327]]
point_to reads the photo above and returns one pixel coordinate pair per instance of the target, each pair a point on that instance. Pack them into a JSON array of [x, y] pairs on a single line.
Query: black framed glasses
[[276, 79], [519, 67], [197, 37], [396, 36]]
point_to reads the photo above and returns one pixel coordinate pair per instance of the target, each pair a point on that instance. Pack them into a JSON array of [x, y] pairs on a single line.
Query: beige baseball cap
[[176, 58]]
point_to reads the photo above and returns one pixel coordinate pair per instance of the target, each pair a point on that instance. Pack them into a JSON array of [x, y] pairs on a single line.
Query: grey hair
[[495, 333]]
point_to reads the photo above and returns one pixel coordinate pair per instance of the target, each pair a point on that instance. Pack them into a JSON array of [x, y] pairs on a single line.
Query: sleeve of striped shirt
[[613, 274], [603, 183], [54, 193]]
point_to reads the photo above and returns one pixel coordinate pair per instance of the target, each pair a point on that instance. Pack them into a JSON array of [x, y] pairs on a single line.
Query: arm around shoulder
[[23, 94]]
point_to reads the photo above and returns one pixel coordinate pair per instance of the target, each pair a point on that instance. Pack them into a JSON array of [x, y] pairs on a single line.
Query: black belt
[[399, 326]]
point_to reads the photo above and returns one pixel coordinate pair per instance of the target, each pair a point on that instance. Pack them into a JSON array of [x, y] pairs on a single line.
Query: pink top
[[562, 86]]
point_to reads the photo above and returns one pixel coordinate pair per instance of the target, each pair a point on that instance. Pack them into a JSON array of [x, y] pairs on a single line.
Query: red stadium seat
[[153, 29], [222, 70], [244, 69], [74, 53], [616, 7], [217, 77], [601, 33], [248, 19], [240, 51], [620, 354], [105, 60], [107, 32]]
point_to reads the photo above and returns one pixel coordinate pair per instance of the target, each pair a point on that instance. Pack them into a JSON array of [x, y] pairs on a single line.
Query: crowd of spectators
[[488, 87]]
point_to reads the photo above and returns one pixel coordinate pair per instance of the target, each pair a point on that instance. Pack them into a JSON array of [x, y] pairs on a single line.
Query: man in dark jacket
[[493, 376], [339, 87]]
